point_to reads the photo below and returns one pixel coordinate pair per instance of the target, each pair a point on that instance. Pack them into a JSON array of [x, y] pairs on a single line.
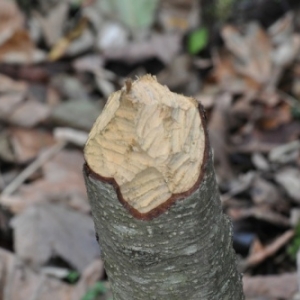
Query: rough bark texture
[[184, 253], [155, 201]]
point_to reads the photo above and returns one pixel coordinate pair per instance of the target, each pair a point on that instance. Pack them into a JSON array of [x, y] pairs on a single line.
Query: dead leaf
[[179, 16], [282, 286], [76, 114], [27, 143], [88, 63], [286, 42], [91, 274], [273, 117], [286, 53], [20, 145], [47, 230], [252, 51], [264, 192], [29, 113], [227, 77], [52, 23], [111, 35], [285, 153], [137, 16], [295, 216], [164, 47], [208, 95], [12, 94], [19, 282], [266, 141], [69, 87], [6, 152], [289, 179], [64, 172], [9, 103], [281, 29], [8, 85], [260, 162], [11, 20], [20, 49], [94, 64], [179, 74]]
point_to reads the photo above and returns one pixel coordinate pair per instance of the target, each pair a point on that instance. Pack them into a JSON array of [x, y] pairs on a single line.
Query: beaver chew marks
[[150, 141]]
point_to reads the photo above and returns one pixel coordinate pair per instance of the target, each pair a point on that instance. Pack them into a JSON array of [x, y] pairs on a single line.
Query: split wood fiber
[[155, 202]]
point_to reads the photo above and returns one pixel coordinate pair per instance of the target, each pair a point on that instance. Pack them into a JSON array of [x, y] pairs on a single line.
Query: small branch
[[269, 250], [30, 169]]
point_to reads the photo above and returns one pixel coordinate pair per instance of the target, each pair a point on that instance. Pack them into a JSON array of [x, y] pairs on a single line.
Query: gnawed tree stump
[[155, 203]]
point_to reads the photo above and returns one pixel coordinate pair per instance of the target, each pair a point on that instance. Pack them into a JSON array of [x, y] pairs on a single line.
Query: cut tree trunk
[[154, 198]]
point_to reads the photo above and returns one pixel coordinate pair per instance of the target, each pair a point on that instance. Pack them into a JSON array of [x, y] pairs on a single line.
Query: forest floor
[[59, 62]]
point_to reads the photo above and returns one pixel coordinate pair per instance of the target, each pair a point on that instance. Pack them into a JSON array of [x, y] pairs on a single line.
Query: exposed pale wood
[[150, 141]]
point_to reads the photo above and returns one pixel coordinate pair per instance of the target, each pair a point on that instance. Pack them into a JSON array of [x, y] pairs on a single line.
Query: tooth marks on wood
[[150, 142]]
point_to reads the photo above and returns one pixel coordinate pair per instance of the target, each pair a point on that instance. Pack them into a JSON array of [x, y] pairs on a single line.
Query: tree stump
[[154, 199]]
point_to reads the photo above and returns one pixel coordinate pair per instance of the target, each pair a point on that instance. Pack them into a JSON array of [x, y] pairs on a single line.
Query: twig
[[70, 135], [257, 258], [29, 170]]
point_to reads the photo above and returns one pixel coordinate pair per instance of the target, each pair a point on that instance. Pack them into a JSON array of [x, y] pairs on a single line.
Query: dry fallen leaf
[[52, 23], [272, 287], [228, 78], [29, 113], [164, 47], [266, 141], [286, 153], [48, 230], [19, 282], [289, 179], [12, 95], [64, 172], [91, 274], [251, 50], [79, 114], [178, 74], [11, 20], [16, 45], [273, 117], [263, 192], [179, 16], [27, 143], [9, 103], [19, 48], [8, 85]]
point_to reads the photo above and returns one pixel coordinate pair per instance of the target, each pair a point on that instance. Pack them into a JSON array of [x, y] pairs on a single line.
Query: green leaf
[[197, 40], [73, 277], [137, 15], [294, 246], [97, 289]]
